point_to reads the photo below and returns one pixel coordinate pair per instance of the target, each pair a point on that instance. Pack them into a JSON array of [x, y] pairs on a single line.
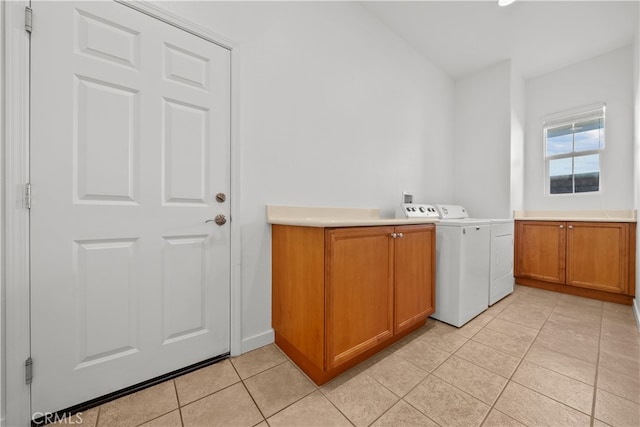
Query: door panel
[[107, 322], [502, 254], [475, 257], [184, 285], [414, 275], [107, 144], [597, 256], [359, 291], [541, 247], [186, 132], [129, 145]]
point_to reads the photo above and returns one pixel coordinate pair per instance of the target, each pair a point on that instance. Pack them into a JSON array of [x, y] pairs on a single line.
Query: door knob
[[220, 219]]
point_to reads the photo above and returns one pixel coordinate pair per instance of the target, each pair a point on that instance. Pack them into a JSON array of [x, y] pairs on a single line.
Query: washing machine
[[462, 265], [501, 280]]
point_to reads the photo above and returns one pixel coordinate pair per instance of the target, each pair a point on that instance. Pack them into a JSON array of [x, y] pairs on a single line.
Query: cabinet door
[[414, 275], [541, 248], [359, 291], [598, 255]]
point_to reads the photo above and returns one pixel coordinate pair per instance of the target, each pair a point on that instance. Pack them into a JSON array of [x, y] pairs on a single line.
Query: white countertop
[[335, 217], [587, 216]]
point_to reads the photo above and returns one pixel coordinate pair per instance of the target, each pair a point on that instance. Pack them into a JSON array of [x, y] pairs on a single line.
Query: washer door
[[502, 256]]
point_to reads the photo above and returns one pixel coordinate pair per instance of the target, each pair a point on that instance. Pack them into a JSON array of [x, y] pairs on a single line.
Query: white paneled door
[[130, 142]]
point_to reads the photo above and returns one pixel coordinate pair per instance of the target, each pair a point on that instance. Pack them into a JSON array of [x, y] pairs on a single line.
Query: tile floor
[[536, 358]]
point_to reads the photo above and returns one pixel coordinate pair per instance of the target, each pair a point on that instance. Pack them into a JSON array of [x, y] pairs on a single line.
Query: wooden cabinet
[[593, 259], [541, 250], [342, 294], [358, 291], [598, 256], [415, 269]]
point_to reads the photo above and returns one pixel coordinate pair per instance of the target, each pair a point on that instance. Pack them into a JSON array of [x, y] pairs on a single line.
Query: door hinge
[[28, 370], [28, 19], [27, 195]]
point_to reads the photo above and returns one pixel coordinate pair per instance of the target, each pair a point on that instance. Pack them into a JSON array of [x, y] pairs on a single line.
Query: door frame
[[15, 318]]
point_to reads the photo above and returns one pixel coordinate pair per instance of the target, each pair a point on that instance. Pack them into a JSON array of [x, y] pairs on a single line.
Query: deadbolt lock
[[221, 197]]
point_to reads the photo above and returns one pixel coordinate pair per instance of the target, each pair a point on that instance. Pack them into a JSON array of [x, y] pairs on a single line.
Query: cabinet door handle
[[571, 227], [562, 226], [394, 235], [400, 235]]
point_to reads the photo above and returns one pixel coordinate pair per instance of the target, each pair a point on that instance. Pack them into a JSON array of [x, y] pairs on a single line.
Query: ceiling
[[464, 37]]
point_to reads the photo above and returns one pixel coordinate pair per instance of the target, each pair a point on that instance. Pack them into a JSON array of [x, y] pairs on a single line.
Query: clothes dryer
[[501, 269]]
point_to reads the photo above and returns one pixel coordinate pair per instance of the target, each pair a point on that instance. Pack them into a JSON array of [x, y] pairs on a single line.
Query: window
[[573, 145]]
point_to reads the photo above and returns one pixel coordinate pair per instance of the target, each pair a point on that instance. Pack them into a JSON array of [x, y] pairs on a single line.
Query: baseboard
[[257, 341], [575, 290], [636, 311]]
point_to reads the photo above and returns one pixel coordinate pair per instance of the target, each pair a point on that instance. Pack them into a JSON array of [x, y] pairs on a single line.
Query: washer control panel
[[417, 210]]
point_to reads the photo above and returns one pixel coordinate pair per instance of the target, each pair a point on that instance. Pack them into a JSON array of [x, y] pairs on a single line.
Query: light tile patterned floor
[[536, 358]]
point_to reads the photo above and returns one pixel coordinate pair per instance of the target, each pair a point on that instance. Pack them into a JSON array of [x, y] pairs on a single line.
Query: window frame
[[594, 111]]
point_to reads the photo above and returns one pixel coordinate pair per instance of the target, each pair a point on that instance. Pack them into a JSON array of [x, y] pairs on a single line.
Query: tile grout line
[[595, 381], [168, 412], [564, 375], [401, 398], [564, 354], [287, 360], [98, 416], [409, 338], [316, 387], [431, 373], [254, 401], [373, 379], [249, 393], [492, 406], [175, 386], [338, 409], [510, 378], [207, 395]]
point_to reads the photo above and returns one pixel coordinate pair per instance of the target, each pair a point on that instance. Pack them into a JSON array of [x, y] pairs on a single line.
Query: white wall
[[482, 168], [606, 78], [335, 111], [518, 121]]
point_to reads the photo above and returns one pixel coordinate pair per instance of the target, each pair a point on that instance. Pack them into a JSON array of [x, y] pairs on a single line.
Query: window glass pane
[[559, 140], [560, 167], [587, 164], [587, 173], [589, 135], [561, 176]]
